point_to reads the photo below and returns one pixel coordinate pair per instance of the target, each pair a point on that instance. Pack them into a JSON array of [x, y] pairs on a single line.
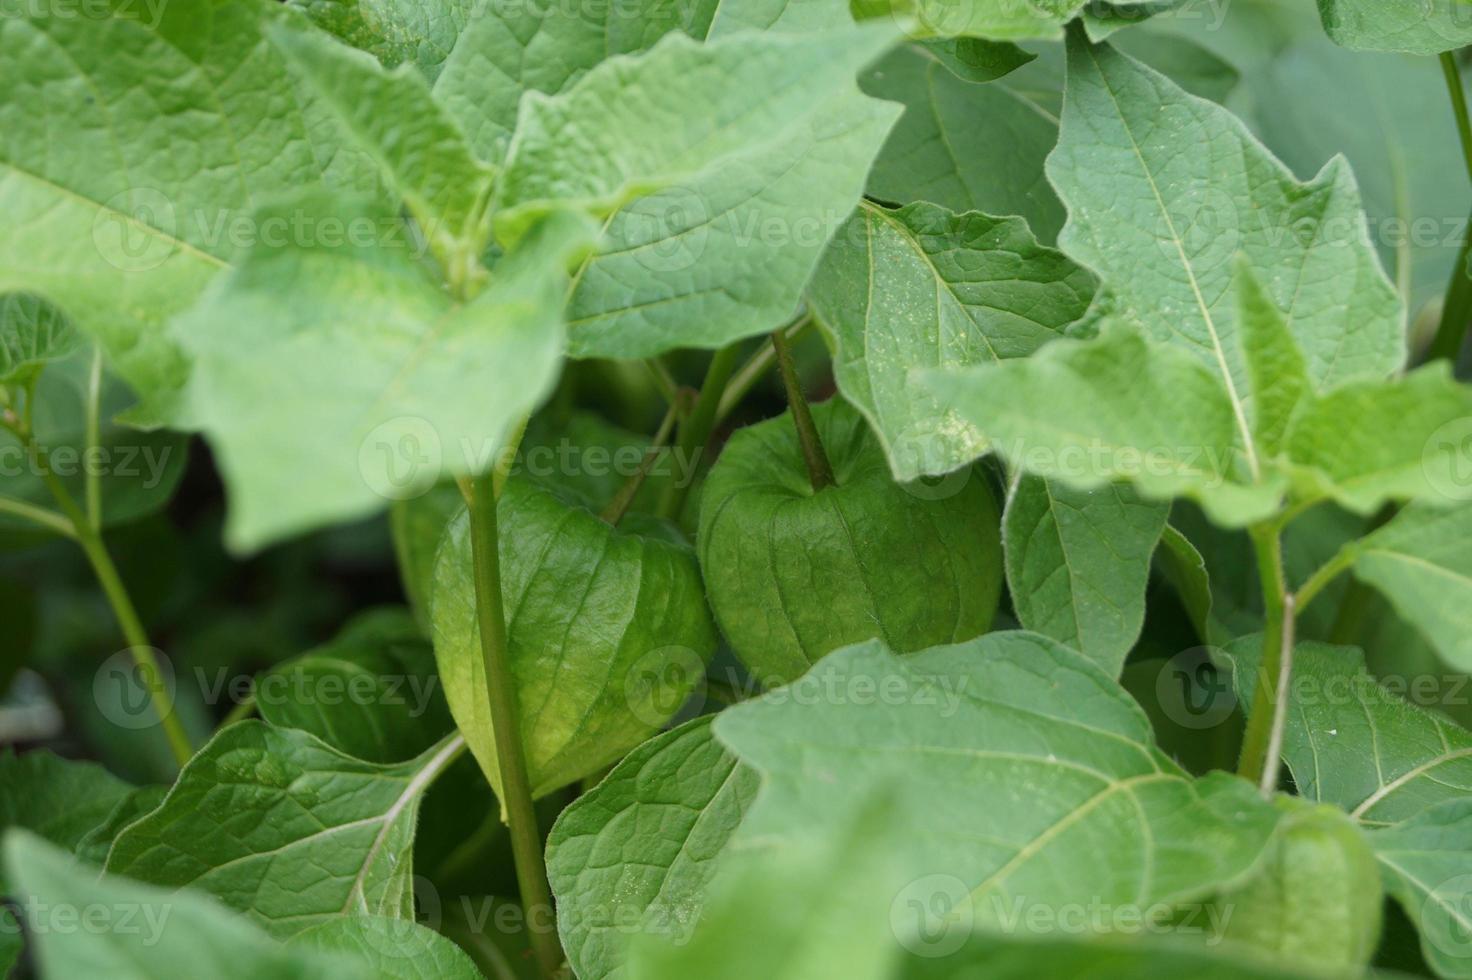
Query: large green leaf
[[396, 32], [56, 798], [102, 211], [1422, 561], [402, 384], [371, 693], [1412, 175], [146, 932], [1354, 743], [607, 627], [277, 824], [1033, 770], [1427, 863], [392, 118], [922, 286], [1166, 190], [1410, 26], [642, 846], [1078, 563], [715, 223]]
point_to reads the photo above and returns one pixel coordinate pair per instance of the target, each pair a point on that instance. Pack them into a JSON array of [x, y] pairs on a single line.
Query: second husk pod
[[793, 574]]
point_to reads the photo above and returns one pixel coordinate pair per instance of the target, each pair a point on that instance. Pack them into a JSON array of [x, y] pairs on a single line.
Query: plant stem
[[696, 430], [1268, 784], [89, 538], [1255, 764], [241, 711], [1457, 307], [46, 518], [619, 505], [94, 422], [755, 367], [1326, 574], [820, 471], [516, 789]]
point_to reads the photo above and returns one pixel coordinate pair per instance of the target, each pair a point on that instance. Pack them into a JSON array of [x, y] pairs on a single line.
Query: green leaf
[[1427, 862], [1184, 567], [1119, 407], [12, 941], [1166, 190], [1277, 377], [793, 574], [643, 845], [1353, 743], [352, 334], [1314, 902], [1409, 26], [95, 844], [371, 693], [978, 60], [397, 31], [56, 798], [283, 827], [161, 931], [1038, 766], [1078, 563], [393, 119], [715, 224], [607, 627], [417, 524], [387, 949], [33, 333], [1411, 173], [509, 49], [102, 213], [922, 286], [1422, 561]]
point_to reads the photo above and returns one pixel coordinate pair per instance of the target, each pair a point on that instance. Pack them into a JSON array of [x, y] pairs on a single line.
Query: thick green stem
[[1456, 310], [754, 369], [820, 471], [696, 430], [1271, 683], [1321, 579], [93, 496], [89, 537], [516, 789], [621, 501]]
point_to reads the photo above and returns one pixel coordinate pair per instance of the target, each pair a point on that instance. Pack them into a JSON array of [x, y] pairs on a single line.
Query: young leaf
[[163, 929], [1165, 190], [794, 573], [1277, 377], [642, 846], [281, 826], [923, 286], [1119, 407], [1408, 26], [103, 213], [608, 632], [1422, 561], [715, 224], [371, 693], [387, 948], [397, 31], [1351, 742], [1427, 862], [33, 333], [393, 119], [351, 333], [1058, 757], [1078, 563], [56, 798], [1184, 567]]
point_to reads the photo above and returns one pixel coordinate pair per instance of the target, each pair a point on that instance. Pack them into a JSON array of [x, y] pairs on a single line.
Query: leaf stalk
[[820, 470]]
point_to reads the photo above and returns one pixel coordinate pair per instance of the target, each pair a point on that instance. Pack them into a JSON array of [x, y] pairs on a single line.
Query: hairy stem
[[1271, 683], [696, 430], [820, 471], [89, 538], [1457, 307], [757, 365], [1325, 576], [516, 790]]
